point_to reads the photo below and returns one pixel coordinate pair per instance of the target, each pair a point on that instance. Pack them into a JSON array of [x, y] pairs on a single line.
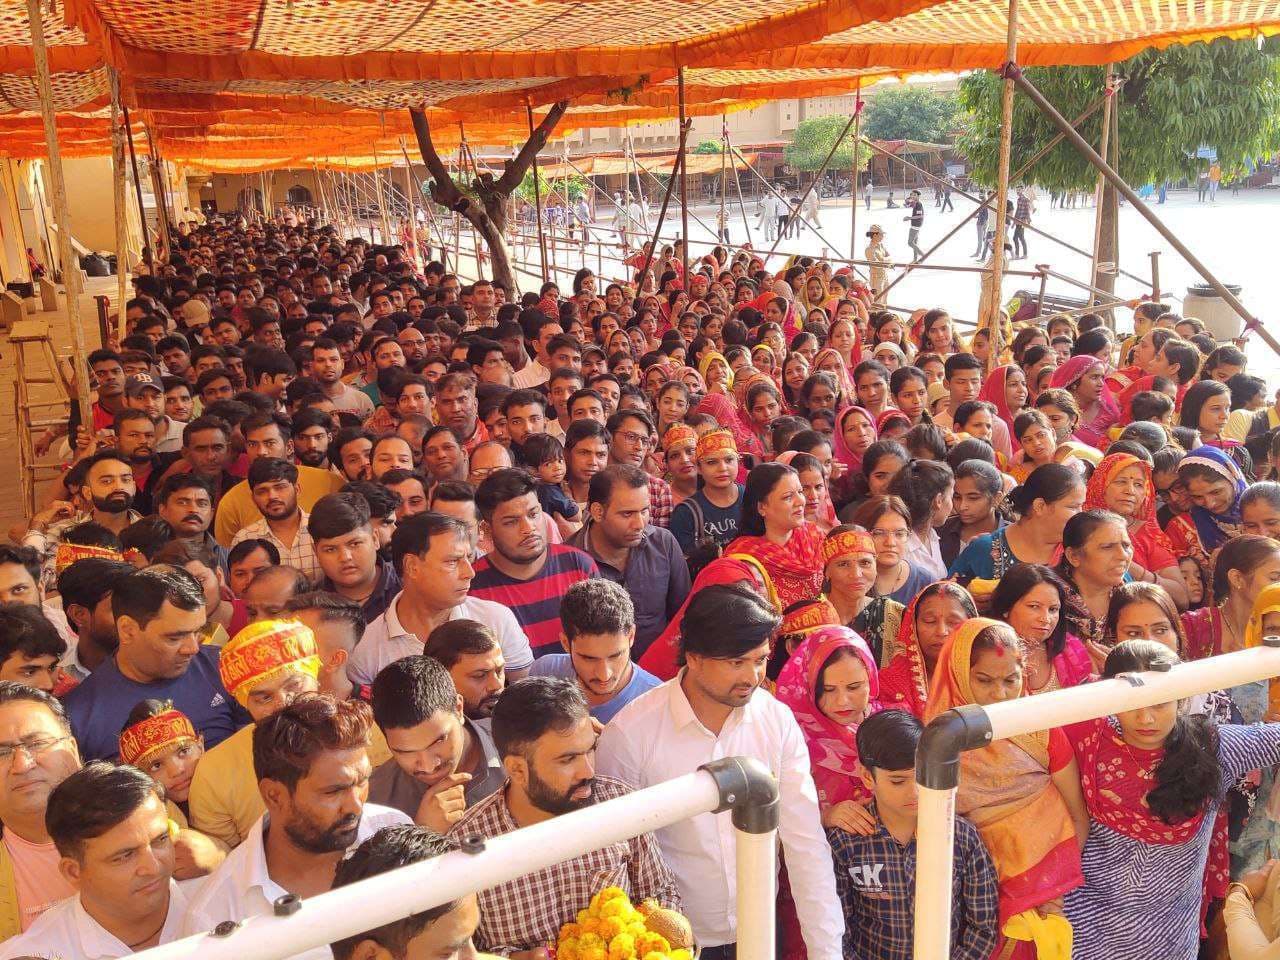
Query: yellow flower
[[567, 950], [589, 940], [636, 928], [592, 925], [569, 931], [611, 927], [680, 954], [614, 907], [612, 893], [593, 953], [655, 955], [583, 916], [652, 943], [622, 947]]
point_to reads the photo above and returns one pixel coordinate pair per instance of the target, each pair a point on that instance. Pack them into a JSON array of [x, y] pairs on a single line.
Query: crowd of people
[[351, 559]]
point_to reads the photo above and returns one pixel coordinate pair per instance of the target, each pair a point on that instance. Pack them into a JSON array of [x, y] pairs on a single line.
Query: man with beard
[[267, 434], [473, 657], [274, 484], [441, 762], [135, 432], [159, 614], [715, 707], [266, 666], [312, 433], [351, 453], [311, 761], [144, 392], [85, 588], [185, 502], [327, 366], [523, 571], [546, 738], [108, 487]]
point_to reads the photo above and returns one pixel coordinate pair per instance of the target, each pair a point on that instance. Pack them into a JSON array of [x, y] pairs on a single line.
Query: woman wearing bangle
[[1252, 917]]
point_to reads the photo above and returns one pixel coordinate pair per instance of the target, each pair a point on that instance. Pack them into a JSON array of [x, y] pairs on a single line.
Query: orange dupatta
[[1006, 792]]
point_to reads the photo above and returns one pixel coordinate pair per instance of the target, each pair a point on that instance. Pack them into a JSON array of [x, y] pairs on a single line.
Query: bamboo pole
[[992, 320], [1251, 322], [666, 200], [853, 178], [61, 213], [737, 181], [537, 198], [684, 187], [147, 254], [120, 201], [723, 233], [1100, 188]]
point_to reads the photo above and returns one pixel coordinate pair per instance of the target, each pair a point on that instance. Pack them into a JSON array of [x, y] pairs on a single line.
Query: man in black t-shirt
[[917, 221]]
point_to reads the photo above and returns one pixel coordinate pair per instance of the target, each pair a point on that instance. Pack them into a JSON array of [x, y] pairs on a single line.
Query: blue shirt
[[656, 576], [560, 665], [876, 880], [99, 706]]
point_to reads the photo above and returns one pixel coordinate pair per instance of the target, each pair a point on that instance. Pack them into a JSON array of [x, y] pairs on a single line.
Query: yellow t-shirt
[[224, 801], [236, 509]]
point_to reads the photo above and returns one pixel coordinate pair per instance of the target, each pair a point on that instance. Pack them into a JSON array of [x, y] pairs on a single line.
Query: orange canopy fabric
[[308, 80]]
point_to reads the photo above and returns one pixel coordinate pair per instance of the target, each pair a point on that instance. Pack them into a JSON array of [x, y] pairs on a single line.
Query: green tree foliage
[[708, 146], [813, 139], [1224, 94], [910, 113], [574, 187]]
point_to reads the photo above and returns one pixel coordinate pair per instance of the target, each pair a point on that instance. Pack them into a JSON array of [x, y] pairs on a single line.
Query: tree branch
[[515, 170], [443, 190]]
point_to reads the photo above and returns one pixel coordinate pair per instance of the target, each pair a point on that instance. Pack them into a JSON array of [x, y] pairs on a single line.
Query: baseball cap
[[138, 383]]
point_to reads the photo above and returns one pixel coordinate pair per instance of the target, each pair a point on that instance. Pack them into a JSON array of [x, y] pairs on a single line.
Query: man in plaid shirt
[[876, 867], [543, 731]]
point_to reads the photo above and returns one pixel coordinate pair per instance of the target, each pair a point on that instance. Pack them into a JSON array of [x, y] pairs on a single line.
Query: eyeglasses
[[637, 439], [32, 748], [898, 535]]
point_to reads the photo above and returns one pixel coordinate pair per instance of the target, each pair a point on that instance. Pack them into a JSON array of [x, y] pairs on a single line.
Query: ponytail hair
[[1049, 482], [1188, 775]]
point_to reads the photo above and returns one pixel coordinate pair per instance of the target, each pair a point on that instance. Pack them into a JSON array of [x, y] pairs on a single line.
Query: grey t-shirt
[[392, 787]]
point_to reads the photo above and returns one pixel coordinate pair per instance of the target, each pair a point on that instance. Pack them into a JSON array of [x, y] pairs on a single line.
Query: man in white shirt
[[714, 708], [538, 370], [313, 770], [432, 553], [111, 830]]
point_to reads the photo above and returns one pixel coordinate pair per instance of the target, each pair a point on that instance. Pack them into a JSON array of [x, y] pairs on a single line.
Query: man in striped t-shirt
[[523, 572]]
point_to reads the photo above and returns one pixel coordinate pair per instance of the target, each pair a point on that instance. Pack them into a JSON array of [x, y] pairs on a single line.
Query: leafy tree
[[708, 146], [1224, 94], [910, 113], [553, 191], [813, 139]]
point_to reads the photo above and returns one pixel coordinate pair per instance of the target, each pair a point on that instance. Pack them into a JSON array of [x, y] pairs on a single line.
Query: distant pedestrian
[[866, 192], [1202, 186], [1215, 178], [980, 220], [1021, 218], [947, 187], [916, 218]]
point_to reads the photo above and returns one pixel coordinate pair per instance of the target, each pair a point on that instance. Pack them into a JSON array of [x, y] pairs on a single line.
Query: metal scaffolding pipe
[[992, 320], [684, 188]]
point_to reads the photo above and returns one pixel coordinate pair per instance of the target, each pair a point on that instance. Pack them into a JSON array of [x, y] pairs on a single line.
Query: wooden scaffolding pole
[[684, 188], [70, 269], [853, 178], [992, 320], [1100, 189], [120, 201], [537, 197], [148, 256], [723, 234]]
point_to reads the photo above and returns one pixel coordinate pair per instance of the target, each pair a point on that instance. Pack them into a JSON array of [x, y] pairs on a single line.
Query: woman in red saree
[[777, 534], [662, 656], [1122, 484], [1006, 388], [1023, 794]]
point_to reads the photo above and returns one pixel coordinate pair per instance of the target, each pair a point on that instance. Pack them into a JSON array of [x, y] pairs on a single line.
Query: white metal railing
[[371, 903], [972, 726]]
